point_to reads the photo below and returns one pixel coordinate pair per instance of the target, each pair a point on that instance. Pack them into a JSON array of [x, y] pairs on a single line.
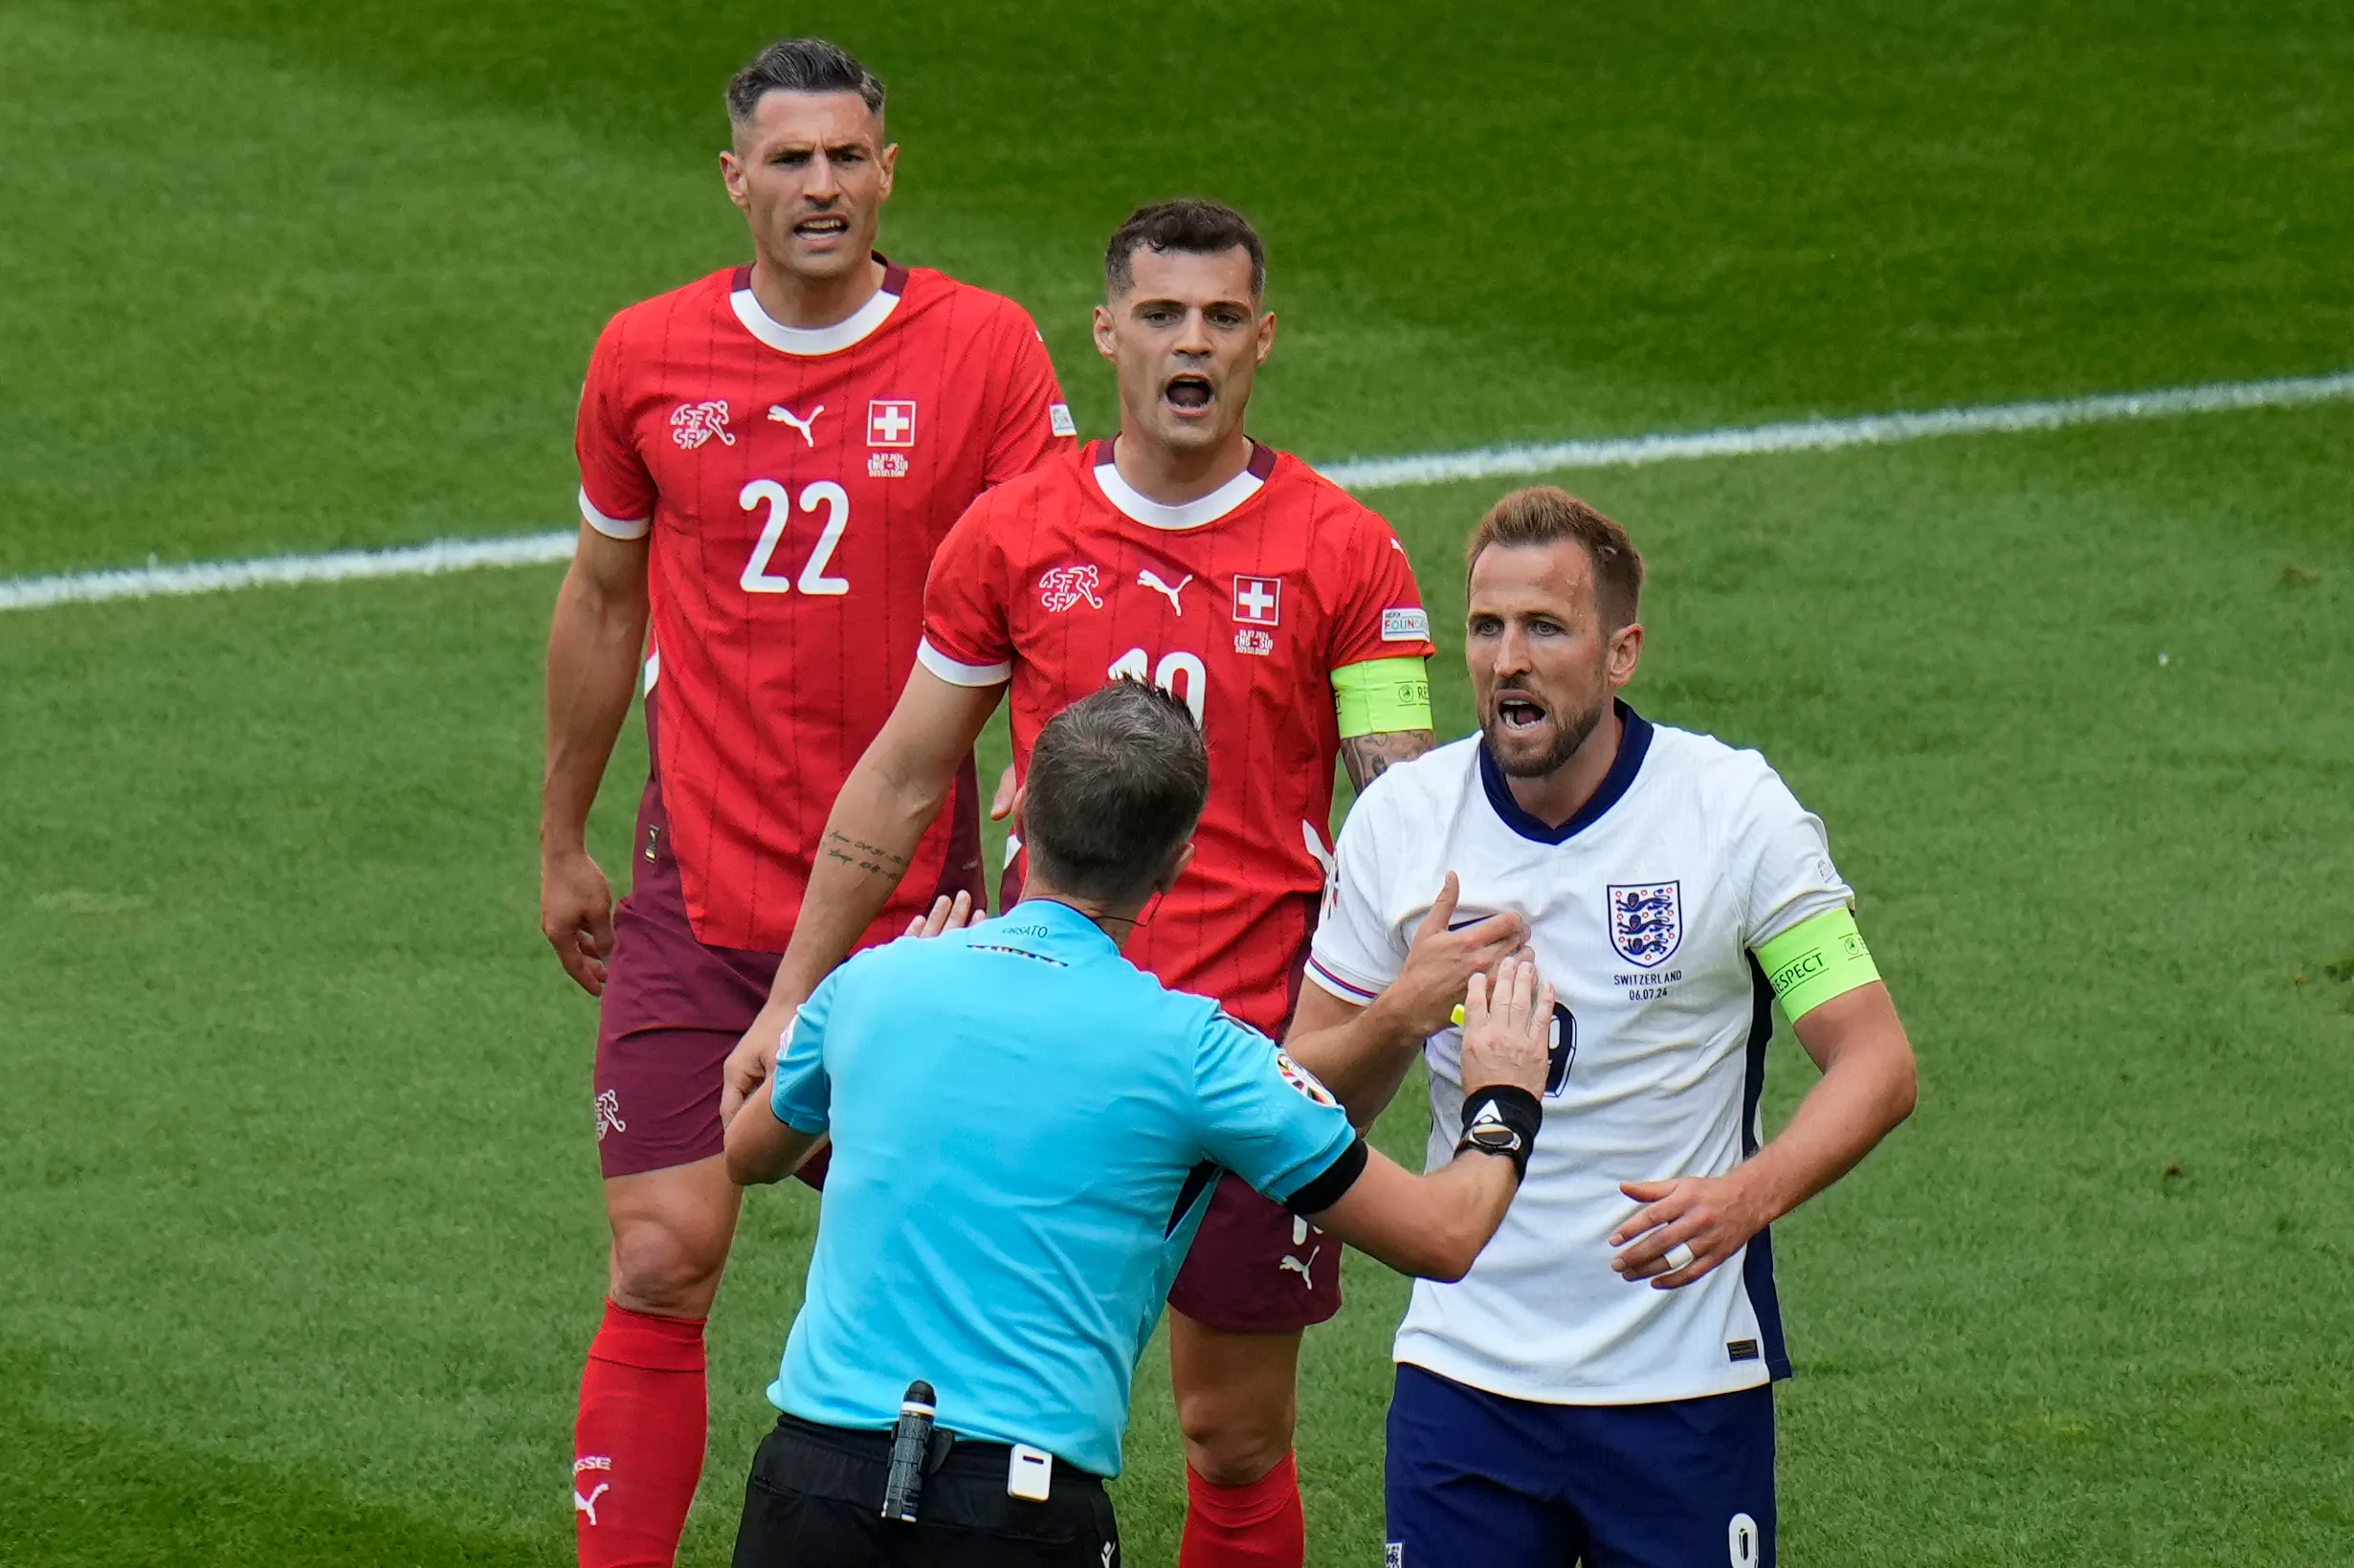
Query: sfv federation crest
[[1647, 921]]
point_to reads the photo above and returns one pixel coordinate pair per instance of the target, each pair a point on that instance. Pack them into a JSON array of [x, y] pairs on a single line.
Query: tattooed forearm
[[1367, 757], [874, 859]]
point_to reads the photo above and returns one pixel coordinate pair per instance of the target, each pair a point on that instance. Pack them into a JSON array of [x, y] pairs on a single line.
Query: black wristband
[[1501, 1119]]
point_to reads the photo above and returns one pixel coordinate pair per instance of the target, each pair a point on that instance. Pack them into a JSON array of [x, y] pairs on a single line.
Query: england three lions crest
[[1647, 921]]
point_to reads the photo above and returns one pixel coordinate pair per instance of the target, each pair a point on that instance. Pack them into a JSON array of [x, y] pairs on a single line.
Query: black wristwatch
[[1501, 1119]]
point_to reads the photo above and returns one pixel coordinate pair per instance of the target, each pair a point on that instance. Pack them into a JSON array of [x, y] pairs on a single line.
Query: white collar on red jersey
[[1192, 514], [810, 340]]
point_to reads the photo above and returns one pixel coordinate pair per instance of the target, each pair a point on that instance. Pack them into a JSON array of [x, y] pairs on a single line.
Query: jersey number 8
[[824, 493], [1563, 1052]]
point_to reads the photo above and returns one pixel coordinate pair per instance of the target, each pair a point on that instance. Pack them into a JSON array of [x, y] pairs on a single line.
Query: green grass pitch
[[297, 1204]]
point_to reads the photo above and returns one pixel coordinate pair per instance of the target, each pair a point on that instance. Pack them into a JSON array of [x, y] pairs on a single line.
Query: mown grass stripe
[[1363, 474]]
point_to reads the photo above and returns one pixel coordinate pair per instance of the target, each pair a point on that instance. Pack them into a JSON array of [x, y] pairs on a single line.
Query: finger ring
[[1679, 1257]]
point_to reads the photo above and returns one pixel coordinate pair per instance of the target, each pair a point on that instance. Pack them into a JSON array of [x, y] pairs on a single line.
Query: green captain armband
[[1382, 696], [1815, 960]]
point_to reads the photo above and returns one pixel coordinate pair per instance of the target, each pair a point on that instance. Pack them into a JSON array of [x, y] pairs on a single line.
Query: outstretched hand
[[1508, 1029], [1443, 958], [945, 915], [754, 1058]]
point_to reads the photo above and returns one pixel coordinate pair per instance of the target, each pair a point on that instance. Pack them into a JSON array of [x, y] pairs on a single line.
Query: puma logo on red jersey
[[786, 416], [1149, 579]]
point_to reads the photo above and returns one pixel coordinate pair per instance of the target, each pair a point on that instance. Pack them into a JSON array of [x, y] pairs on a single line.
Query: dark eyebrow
[[1242, 305]]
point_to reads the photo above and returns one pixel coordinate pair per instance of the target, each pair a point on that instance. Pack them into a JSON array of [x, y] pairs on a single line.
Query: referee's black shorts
[[815, 1498]]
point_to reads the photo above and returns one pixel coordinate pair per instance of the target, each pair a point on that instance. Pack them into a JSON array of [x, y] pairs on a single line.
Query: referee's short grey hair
[[800, 65], [1117, 784]]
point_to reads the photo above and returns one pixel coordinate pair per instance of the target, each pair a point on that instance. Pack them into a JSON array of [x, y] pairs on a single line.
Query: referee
[[1026, 1130]]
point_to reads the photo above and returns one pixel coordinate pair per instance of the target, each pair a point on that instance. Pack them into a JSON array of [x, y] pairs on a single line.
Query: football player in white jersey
[[1598, 1390]]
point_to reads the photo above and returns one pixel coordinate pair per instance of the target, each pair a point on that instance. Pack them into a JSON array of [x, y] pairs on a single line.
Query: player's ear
[[1105, 345], [1626, 652], [731, 175], [1177, 865], [890, 162], [1266, 335], [1013, 812]]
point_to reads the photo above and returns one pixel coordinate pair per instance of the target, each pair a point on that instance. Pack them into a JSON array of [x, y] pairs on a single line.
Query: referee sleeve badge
[[1305, 1081]]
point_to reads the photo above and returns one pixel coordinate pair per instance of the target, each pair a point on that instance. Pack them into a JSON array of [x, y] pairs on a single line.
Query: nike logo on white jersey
[[1151, 580], [783, 415]]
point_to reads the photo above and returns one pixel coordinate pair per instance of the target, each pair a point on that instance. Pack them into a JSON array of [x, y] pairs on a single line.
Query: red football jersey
[[1244, 603], [796, 482]]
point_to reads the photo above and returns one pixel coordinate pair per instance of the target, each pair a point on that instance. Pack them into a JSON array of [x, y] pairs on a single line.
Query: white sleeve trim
[[961, 675], [1328, 978], [612, 527]]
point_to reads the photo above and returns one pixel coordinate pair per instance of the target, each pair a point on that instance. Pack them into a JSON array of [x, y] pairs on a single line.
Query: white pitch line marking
[[1355, 474], [448, 555], [1829, 435]]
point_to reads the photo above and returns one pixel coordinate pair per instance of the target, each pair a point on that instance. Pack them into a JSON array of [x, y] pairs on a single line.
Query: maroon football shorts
[[1255, 1267], [674, 1006], [673, 1009]]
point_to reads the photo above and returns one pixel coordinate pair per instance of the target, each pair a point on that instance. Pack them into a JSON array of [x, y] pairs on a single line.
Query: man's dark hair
[[1196, 228], [1541, 515], [1117, 784], [800, 65]]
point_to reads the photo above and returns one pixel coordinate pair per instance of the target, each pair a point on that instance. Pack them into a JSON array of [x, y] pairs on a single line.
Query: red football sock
[[639, 1448], [1258, 1526]]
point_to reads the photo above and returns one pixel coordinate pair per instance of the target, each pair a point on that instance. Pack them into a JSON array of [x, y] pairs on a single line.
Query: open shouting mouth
[[821, 226], [1189, 393], [1518, 711]]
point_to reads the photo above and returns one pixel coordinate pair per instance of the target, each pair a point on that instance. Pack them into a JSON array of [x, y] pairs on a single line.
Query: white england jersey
[[1644, 910]]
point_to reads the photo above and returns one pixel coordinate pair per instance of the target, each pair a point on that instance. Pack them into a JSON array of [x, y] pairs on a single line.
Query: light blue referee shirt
[[1017, 1114]]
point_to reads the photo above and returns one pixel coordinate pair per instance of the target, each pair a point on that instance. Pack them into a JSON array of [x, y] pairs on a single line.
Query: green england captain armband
[[1382, 696], [1815, 960]]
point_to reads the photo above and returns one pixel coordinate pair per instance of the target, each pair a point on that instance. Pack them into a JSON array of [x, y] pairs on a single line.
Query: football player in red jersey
[[1287, 615], [769, 458]]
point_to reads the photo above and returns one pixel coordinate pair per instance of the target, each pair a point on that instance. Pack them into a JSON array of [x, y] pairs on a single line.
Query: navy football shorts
[[1476, 1480]]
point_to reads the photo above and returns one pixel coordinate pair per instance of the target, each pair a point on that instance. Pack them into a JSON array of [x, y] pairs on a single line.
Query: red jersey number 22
[[825, 495]]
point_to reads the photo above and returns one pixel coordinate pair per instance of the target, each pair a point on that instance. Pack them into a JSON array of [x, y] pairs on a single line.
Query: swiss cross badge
[[891, 422], [1259, 601]]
